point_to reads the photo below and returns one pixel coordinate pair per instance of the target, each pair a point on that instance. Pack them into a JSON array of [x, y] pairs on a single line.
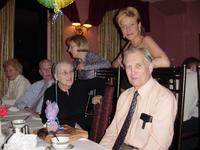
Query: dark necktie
[[121, 137]]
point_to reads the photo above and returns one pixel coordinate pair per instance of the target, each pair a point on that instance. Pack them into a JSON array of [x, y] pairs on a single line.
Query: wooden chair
[[174, 78], [104, 112]]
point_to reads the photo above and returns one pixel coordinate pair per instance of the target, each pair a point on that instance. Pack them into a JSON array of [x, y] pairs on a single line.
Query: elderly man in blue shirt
[[33, 98]]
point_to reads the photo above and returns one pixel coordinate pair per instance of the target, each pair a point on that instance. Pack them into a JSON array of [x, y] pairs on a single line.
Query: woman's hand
[[80, 66], [118, 62], [97, 99]]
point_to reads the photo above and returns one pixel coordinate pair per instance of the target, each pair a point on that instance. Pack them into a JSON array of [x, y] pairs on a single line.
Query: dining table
[[78, 137]]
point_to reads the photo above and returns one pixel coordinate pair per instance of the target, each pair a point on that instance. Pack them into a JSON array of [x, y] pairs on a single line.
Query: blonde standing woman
[[129, 22]]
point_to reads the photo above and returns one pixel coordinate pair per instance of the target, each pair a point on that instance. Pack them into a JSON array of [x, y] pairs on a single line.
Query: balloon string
[[55, 16]]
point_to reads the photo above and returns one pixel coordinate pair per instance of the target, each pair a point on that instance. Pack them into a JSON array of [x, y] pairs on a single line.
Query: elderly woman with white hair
[[69, 95], [18, 84]]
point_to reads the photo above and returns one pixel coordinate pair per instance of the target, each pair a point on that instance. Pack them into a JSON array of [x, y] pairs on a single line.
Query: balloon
[[62, 3], [56, 5], [47, 3]]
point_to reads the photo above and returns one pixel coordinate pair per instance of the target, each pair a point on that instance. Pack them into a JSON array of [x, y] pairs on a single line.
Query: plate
[[36, 118], [68, 148], [13, 109]]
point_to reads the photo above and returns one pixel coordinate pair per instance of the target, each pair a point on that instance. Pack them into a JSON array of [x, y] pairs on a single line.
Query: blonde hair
[[14, 63], [128, 12], [80, 41]]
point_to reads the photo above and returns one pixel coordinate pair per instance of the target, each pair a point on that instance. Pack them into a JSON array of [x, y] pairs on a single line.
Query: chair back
[[112, 76], [198, 80], [174, 78], [104, 112]]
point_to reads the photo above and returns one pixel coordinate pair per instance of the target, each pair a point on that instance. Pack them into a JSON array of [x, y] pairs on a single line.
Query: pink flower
[[3, 111]]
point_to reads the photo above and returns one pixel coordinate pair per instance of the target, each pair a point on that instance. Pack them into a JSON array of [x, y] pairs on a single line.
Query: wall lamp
[[81, 28]]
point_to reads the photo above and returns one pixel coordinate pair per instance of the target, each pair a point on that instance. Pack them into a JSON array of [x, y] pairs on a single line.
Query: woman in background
[[129, 22], [85, 60], [18, 84]]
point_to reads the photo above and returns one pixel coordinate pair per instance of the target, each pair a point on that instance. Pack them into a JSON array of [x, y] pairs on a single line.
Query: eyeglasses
[[64, 73]]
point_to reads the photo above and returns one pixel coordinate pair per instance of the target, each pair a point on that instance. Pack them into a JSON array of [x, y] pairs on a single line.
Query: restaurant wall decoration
[[56, 5]]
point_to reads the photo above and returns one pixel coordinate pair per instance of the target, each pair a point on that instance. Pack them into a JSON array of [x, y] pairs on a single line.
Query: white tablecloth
[[33, 122]]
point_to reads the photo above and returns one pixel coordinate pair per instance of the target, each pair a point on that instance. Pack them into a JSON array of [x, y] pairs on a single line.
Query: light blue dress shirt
[[31, 96]]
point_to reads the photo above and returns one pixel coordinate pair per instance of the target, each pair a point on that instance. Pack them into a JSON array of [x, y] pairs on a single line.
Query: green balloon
[[47, 3]]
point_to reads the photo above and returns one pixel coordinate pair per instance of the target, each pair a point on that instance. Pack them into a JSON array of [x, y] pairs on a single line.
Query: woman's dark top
[[71, 104]]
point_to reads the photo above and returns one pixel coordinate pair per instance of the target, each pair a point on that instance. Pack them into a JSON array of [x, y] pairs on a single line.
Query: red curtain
[[98, 8], [71, 12]]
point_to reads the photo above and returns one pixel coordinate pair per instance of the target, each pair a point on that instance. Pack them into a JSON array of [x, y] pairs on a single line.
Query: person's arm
[[44, 105], [161, 131], [29, 97], [96, 62], [20, 88], [160, 59], [26, 100], [117, 62]]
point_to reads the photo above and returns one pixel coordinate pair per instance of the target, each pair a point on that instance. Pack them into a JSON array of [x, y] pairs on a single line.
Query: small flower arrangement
[[3, 111]]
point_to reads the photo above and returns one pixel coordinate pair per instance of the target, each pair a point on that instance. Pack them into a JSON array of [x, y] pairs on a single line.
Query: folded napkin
[[20, 141]]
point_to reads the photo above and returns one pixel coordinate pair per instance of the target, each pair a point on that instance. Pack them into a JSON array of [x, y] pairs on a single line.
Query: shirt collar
[[17, 78], [146, 88]]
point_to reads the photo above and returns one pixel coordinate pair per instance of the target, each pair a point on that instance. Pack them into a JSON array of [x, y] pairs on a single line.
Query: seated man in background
[[18, 84], [145, 113], [33, 99], [71, 96], [191, 114]]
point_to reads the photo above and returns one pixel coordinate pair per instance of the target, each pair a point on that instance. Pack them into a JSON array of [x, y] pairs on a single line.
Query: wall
[[175, 28], [177, 33], [91, 34]]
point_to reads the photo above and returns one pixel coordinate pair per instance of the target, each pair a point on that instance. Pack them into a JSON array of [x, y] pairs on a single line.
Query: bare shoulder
[[149, 43], [148, 39]]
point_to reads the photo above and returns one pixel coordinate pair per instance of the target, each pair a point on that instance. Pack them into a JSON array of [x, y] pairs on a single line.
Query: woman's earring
[[140, 29]]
